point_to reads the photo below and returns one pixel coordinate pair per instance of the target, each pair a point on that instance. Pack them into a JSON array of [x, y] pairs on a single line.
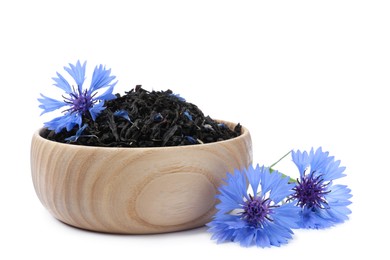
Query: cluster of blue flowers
[[265, 213]]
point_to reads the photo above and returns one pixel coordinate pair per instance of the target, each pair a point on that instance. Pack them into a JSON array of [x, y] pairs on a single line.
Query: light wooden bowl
[[134, 190]]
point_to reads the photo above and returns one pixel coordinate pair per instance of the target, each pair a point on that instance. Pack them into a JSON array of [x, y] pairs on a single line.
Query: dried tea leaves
[[147, 119]]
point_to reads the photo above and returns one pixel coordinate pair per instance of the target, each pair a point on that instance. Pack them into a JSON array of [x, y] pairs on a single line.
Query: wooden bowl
[[134, 190]]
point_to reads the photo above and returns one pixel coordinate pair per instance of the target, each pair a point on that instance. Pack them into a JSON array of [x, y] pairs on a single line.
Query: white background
[[296, 73]]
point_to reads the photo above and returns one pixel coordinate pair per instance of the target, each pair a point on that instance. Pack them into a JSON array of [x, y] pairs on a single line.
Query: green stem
[[275, 163], [291, 180]]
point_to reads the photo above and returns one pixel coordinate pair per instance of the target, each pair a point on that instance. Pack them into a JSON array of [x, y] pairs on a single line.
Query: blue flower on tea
[[78, 102]]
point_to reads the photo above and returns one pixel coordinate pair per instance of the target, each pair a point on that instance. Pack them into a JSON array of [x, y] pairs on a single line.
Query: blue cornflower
[[322, 203], [79, 102], [258, 217]]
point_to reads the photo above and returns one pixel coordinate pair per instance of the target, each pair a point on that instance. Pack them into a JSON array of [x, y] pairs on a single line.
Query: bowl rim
[[244, 134]]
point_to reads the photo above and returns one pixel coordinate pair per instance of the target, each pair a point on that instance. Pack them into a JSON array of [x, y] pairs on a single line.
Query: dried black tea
[[146, 119]]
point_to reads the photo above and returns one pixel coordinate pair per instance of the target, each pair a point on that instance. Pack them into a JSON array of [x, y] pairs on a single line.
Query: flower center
[[80, 102], [310, 192], [257, 210]]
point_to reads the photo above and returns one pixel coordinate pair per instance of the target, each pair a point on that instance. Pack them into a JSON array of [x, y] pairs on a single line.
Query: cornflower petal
[[254, 177], [100, 78], [107, 95], [62, 83], [78, 73], [319, 160], [50, 104], [301, 160], [334, 171], [68, 121], [96, 110]]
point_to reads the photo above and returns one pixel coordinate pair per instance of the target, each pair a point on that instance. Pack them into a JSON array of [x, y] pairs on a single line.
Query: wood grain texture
[[134, 190]]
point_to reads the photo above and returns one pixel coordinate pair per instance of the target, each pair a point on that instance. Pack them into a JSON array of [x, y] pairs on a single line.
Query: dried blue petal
[[188, 115], [79, 132], [222, 126], [191, 139], [123, 114], [178, 97], [158, 118]]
